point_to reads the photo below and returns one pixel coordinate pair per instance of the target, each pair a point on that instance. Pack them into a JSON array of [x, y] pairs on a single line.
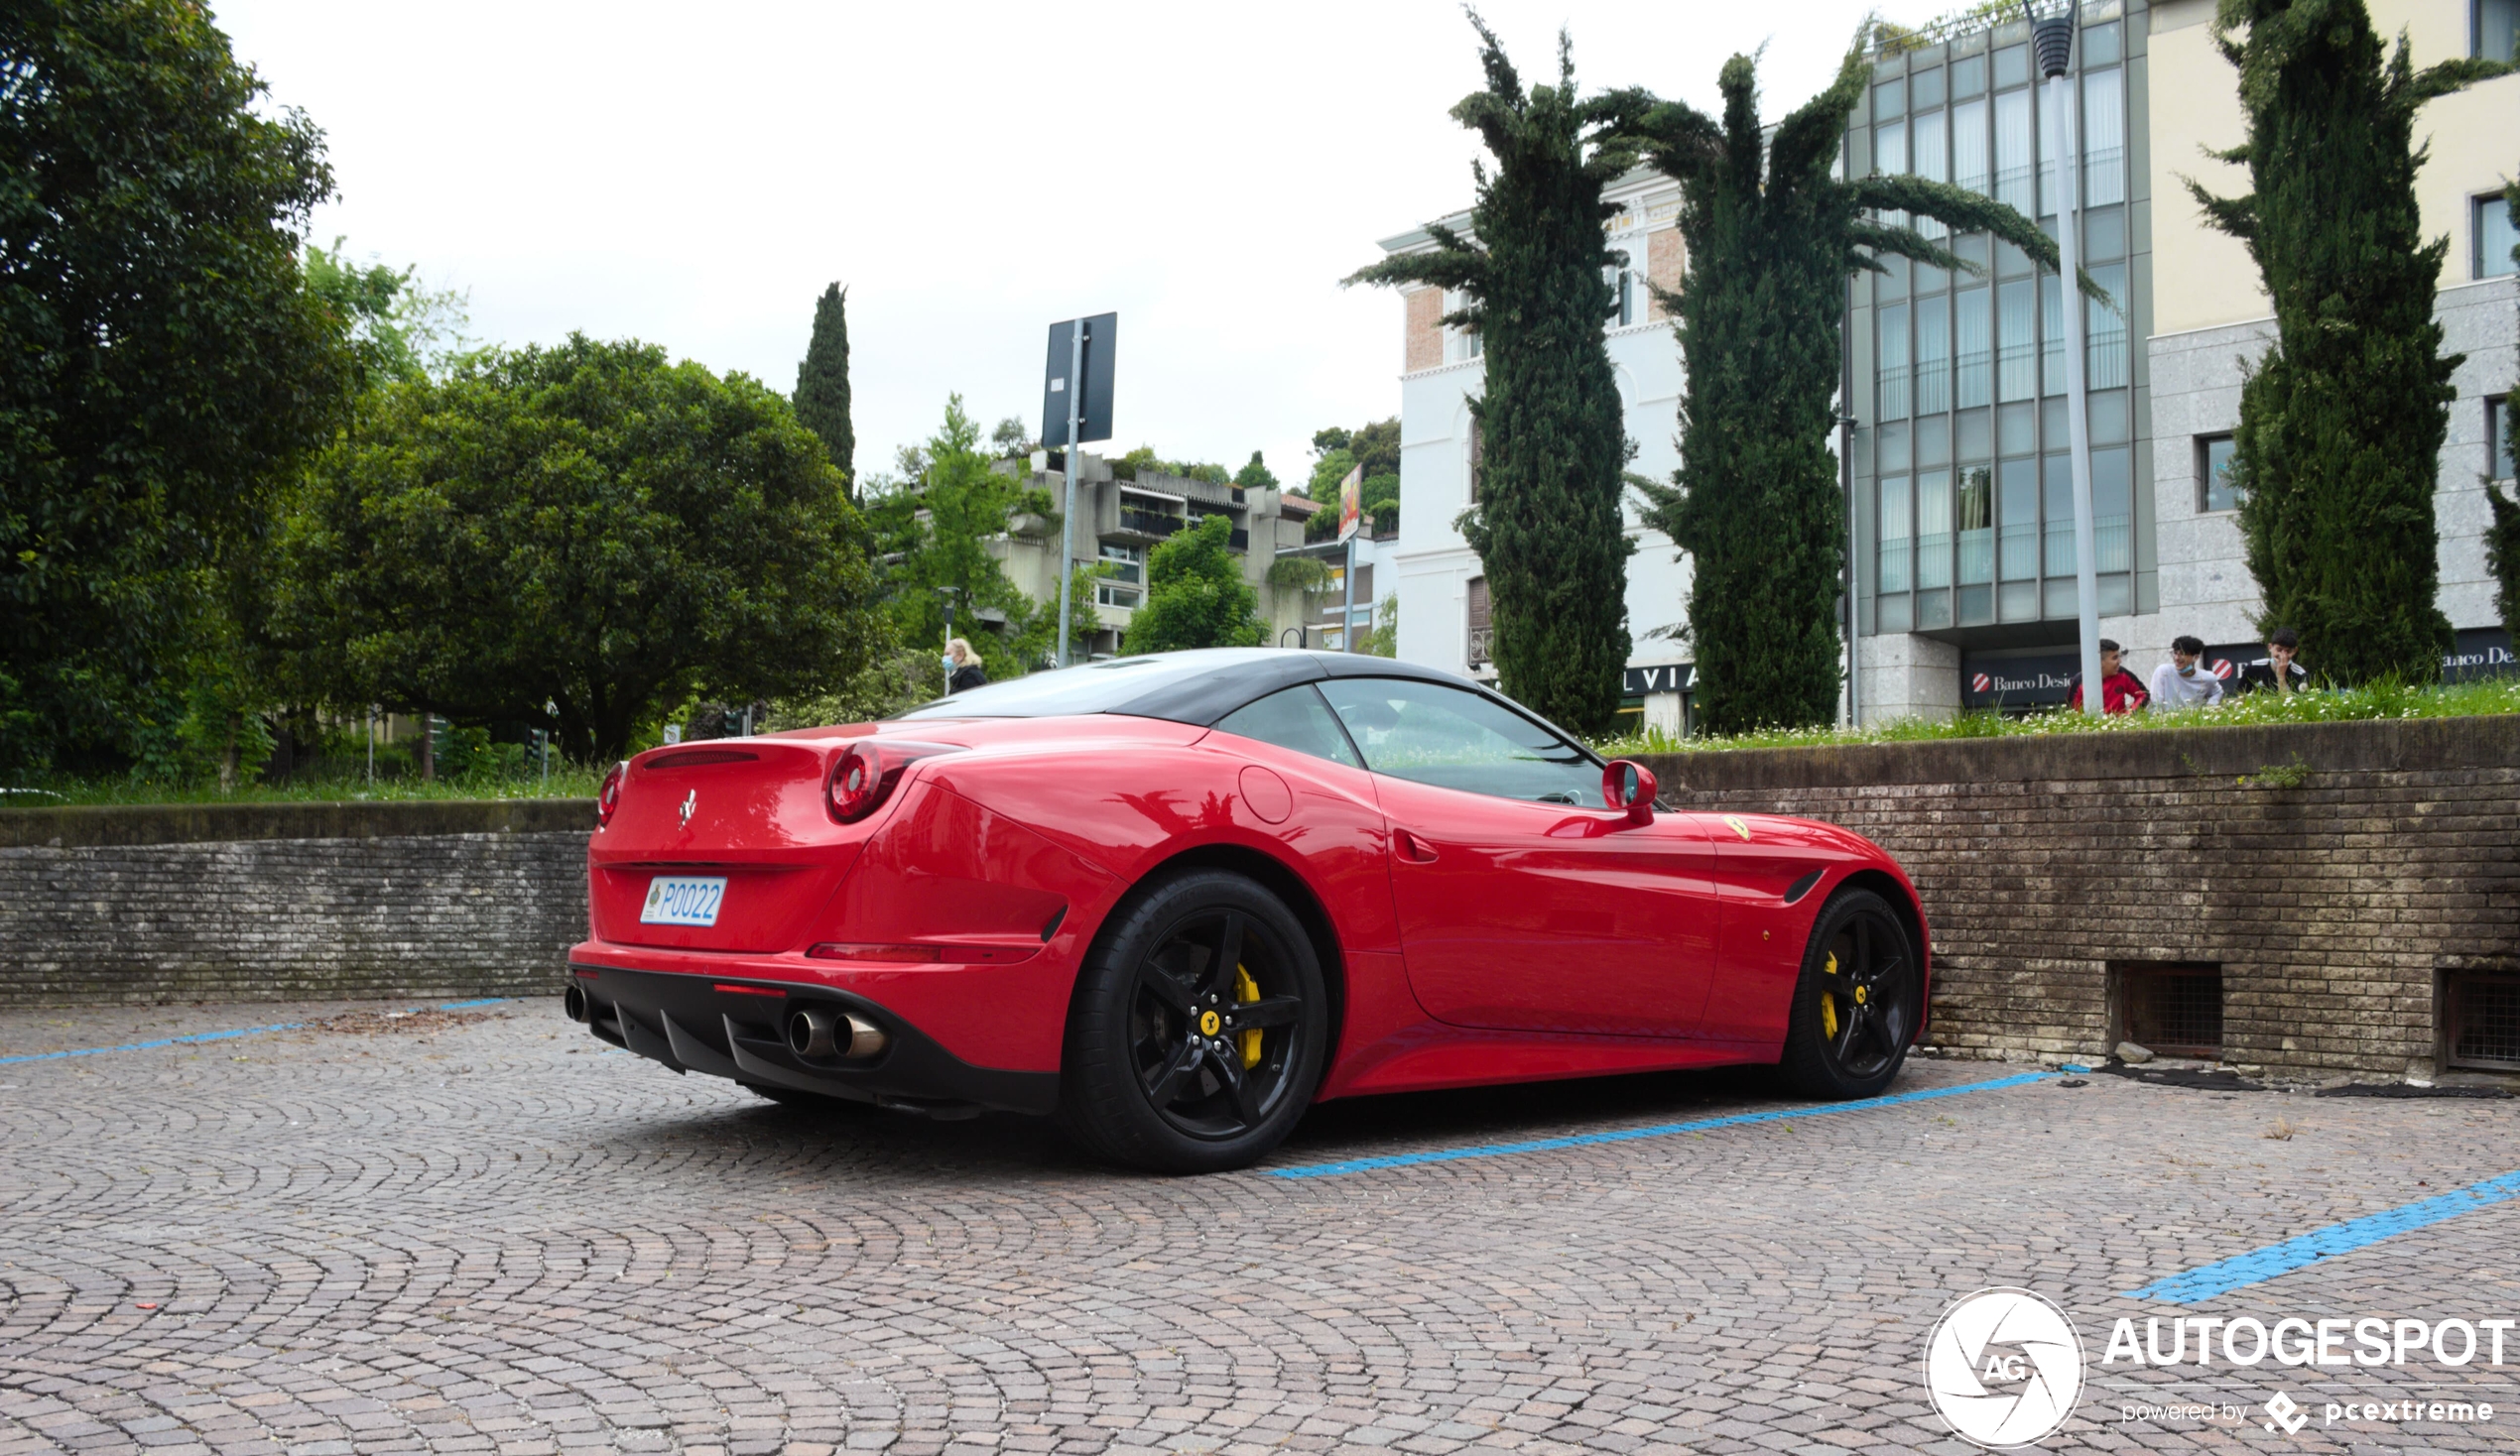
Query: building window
[[2492, 28], [2494, 233], [2105, 329], [2017, 352], [1934, 530], [1975, 354], [2499, 451], [2013, 160], [2215, 488], [2103, 140], [1969, 142], [1894, 362], [1460, 344], [1932, 358], [1977, 526], [1127, 563], [1479, 648], [1893, 572]]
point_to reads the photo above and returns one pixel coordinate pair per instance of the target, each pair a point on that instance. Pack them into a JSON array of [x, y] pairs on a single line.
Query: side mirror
[[1629, 786]]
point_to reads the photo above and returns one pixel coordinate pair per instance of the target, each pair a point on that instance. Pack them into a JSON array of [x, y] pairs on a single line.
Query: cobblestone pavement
[[480, 1231]]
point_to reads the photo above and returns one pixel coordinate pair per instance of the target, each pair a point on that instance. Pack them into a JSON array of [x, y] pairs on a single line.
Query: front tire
[[1857, 1004], [1199, 1031]]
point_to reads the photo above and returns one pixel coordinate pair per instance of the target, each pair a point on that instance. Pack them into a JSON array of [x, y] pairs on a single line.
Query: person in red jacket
[[2121, 691]]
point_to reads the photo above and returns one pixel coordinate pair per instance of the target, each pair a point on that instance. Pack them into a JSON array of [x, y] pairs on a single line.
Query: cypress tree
[[1546, 526], [823, 383], [1772, 235], [2341, 430]]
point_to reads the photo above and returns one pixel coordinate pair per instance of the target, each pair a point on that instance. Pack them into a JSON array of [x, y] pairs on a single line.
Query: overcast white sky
[[694, 174]]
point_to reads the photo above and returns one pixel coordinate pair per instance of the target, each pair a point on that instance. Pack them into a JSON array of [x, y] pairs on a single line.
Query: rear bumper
[[732, 1026]]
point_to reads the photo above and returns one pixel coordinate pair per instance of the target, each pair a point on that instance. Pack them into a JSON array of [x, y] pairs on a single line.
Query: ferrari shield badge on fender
[[1739, 827]]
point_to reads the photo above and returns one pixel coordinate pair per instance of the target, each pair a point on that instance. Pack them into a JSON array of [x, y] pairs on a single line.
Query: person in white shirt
[[2183, 681]]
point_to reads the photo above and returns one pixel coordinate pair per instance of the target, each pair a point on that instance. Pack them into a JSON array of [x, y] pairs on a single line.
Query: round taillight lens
[[856, 783], [608, 797]]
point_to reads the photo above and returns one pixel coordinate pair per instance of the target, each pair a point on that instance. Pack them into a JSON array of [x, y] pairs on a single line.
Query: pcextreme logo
[[2003, 1368]]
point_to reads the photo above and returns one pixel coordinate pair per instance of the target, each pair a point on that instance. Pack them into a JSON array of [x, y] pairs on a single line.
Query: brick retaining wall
[[2337, 896], [274, 901]]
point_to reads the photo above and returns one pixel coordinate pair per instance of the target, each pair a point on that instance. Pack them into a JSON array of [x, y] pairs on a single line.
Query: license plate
[[682, 900]]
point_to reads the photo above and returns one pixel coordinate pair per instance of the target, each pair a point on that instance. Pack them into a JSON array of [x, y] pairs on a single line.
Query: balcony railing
[[1149, 523], [1479, 642]]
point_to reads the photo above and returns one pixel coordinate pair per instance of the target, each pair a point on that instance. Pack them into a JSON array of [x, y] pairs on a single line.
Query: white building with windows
[[1962, 570]]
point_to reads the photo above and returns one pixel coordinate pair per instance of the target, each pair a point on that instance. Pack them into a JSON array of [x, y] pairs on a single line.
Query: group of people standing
[[2185, 682]]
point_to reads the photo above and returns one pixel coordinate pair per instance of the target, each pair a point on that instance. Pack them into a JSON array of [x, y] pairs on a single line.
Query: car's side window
[[1295, 719], [1457, 739]]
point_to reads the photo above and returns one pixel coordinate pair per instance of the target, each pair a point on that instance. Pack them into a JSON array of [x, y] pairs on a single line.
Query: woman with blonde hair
[[963, 666]]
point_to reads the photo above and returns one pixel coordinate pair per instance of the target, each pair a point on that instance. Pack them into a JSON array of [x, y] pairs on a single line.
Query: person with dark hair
[[2279, 671], [2121, 691], [2184, 681]]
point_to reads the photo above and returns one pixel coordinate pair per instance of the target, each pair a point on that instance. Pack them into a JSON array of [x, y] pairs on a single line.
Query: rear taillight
[[608, 797], [864, 774]]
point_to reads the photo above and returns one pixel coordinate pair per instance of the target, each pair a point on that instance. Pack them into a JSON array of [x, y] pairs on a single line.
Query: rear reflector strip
[[746, 989], [586, 971], [833, 951]]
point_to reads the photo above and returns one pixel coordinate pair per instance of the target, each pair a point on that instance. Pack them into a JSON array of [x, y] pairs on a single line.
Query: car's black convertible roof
[[1197, 687]]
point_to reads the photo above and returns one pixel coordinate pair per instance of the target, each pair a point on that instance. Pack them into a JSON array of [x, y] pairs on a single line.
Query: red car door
[[1524, 903]]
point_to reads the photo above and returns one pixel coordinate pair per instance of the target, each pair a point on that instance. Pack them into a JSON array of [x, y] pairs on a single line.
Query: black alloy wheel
[[1199, 1029], [1855, 1007]]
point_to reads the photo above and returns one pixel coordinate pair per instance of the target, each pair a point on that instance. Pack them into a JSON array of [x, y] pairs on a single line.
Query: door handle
[[1411, 848]]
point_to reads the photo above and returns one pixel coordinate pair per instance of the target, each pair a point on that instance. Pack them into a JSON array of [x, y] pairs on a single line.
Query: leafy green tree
[[937, 533], [821, 397], [1377, 448], [1546, 526], [1378, 496], [1772, 234], [2339, 440], [588, 525], [161, 368], [1256, 476], [1195, 595], [399, 331], [1010, 438]]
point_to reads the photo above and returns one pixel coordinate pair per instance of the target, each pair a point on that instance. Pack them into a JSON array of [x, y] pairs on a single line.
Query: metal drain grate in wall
[[2174, 1009], [2484, 1021]]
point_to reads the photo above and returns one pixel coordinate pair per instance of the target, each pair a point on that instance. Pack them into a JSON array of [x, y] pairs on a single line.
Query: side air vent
[[692, 757]]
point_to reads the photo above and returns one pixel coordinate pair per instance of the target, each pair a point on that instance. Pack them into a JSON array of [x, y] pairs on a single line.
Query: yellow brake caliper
[[1247, 991], [1829, 1003]]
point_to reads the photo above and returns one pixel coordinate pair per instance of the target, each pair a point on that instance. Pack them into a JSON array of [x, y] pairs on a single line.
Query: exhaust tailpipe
[[572, 1002], [814, 1032]]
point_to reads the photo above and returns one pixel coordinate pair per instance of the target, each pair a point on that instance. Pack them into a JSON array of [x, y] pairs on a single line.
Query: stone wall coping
[[2381, 744], [82, 825]]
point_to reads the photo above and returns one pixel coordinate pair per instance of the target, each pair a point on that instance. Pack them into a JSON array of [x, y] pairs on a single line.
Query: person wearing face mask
[[2279, 671], [963, 668], [2184, 681]]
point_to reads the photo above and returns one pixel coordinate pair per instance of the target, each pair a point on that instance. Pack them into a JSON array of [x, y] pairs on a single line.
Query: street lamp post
[[2053, 39]]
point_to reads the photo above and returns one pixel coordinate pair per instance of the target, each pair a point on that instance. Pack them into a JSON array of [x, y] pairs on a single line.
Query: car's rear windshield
[[1095, 688]]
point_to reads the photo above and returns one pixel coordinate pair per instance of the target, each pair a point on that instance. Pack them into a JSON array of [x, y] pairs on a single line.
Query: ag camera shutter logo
[[2003, 1368]]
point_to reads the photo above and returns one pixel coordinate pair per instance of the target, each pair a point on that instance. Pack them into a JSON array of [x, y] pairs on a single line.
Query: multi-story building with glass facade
[[1961, 487]]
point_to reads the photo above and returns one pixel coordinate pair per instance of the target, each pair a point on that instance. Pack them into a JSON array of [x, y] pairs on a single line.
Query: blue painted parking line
[[200, 1036], [1659, 1130], [2260, 1264]]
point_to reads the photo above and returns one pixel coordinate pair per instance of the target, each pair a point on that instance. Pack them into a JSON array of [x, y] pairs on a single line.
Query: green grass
[[2380, 700], [566, 782]]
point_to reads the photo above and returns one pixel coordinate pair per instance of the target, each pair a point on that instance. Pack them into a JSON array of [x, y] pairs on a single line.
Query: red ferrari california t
[[1176, 900]]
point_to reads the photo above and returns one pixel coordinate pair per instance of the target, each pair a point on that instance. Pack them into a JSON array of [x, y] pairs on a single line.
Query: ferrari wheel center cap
[[1208, 1021], [1859, 996]]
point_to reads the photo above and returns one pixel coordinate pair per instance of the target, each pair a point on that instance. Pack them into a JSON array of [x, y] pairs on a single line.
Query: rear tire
[[1199, 1028], [1857, 1004]]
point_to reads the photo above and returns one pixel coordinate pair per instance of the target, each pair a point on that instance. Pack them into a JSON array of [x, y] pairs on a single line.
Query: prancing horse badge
[[692, 799]]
